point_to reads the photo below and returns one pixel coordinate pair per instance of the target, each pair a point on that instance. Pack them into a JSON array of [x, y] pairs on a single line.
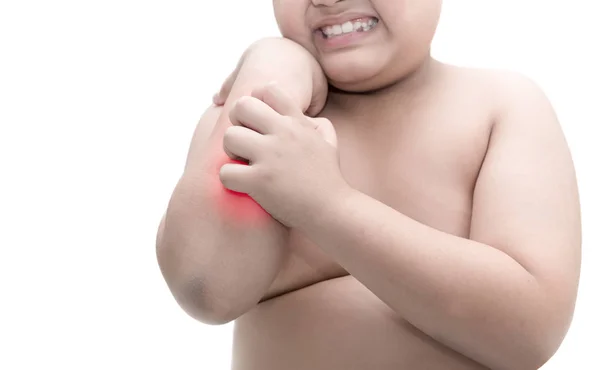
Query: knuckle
[[229, 133], [271, 88], [266, 92], [264, 175], [243, 102], [292, 130], [291, 135]]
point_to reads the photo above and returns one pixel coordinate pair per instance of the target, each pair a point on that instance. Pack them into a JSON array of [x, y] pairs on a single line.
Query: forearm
[[295, 70], [220, 251], [469, 296]]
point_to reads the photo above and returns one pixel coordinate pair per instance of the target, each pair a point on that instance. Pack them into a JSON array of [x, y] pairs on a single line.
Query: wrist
[[327, 210]]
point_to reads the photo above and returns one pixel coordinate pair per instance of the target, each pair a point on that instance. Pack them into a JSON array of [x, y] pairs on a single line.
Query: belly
[[335, 324]]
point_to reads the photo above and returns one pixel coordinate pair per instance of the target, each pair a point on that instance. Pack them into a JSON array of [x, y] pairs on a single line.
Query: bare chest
[[424, 166]]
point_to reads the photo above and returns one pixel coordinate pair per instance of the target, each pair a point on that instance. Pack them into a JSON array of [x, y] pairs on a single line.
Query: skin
[[198, 236], [430, 216]]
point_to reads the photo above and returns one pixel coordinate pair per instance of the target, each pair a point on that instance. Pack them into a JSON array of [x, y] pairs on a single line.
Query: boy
[[427, 218]]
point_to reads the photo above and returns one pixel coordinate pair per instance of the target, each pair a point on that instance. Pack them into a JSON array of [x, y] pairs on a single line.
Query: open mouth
[[357, 25]]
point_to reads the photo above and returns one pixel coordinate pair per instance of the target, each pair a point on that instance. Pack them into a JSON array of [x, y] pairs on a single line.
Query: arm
[[504, 297], [217, 261]]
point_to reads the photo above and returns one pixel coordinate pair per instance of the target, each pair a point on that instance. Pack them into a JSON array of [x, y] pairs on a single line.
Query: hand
[[293, 164]]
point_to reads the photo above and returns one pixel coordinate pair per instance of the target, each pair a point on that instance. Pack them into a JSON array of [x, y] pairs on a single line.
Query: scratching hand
[[292, 160]]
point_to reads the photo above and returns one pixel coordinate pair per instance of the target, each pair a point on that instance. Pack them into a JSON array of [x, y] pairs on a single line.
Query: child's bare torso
[[422, 159]]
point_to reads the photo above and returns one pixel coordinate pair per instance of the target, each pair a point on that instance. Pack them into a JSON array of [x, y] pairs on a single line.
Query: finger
[[242, 143], [233, 156], [278, 100], [327, 131], [254, 114], [221, 97], [236, 177], [217, 100]]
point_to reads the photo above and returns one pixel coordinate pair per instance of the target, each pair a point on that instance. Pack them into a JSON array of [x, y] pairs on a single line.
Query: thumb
[[326, 129]]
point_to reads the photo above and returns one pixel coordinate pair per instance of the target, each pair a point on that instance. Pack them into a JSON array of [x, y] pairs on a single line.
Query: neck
[[400, 94]]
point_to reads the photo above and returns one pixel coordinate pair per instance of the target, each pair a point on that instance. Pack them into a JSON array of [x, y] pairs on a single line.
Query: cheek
[[414, 22], [291, 18]]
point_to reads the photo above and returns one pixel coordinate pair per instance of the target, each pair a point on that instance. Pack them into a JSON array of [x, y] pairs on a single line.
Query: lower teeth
[[342, 34]]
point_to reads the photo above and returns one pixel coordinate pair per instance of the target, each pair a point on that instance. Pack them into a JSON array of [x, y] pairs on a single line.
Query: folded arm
[[219, 252], [505, 296]]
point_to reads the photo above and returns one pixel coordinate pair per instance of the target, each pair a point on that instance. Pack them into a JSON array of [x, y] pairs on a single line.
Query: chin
[[354, 74]]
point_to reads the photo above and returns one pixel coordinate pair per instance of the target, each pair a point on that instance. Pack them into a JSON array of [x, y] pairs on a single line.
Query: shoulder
[[509, 92], [524, 127], [497, 82], [511, 98]]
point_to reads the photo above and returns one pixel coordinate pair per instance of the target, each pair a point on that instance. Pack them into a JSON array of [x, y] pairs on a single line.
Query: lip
[[340, 19]]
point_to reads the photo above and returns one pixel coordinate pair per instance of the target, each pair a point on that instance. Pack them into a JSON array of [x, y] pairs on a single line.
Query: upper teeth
[[348, 27]]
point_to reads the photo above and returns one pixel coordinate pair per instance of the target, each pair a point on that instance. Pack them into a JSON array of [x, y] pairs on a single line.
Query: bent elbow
[[544, 349], [199, 303], [194, 295], [527, 356], [209, 317], [534, 360], [552, 330], [540, 348]]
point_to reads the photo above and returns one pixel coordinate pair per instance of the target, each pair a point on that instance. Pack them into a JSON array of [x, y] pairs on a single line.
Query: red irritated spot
[[240, 207]]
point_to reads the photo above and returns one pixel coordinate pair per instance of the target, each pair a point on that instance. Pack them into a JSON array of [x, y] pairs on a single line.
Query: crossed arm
[[217, 266], [503, 297]]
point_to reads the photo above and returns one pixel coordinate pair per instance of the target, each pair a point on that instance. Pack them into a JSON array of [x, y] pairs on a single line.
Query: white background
[[98, 101]]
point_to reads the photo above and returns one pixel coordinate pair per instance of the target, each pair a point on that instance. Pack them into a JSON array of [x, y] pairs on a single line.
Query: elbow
[[522, 354], [544, 347], [538, 354], [552, 324], [198, 301], [274, 42], [524, 342], [207, 315], [534, 350], [193, 294]]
